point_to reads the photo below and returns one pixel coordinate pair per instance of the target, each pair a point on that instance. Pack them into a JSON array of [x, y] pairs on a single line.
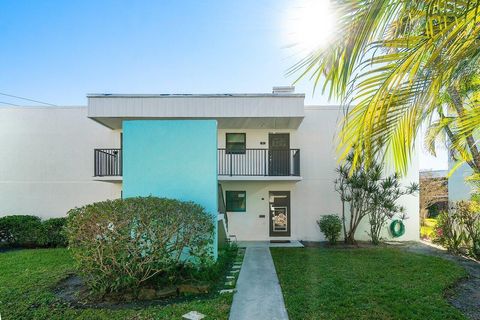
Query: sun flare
[[310, 25]]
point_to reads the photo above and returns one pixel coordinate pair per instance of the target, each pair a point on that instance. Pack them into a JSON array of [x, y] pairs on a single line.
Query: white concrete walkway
[[258, 296]]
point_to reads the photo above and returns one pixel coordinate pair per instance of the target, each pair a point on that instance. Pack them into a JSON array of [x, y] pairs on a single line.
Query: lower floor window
[[236, 201]]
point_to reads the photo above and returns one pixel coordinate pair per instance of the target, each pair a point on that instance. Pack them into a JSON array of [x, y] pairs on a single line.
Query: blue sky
[[58, 51]]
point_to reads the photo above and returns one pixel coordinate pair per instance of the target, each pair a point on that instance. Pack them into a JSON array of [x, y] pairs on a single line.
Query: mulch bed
[[73, 291]]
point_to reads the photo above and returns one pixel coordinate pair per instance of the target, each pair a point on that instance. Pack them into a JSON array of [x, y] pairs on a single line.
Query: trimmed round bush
[[21, 231], [124, 244], [330, 226]]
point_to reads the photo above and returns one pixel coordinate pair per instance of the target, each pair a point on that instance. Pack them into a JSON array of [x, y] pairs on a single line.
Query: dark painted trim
[[289, 215]]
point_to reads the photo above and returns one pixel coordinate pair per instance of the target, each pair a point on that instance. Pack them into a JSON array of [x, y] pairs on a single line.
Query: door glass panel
[[279, 142], [279, 219], [279, 207]]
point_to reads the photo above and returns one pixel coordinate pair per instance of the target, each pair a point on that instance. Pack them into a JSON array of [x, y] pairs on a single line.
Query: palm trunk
[[458, 105]]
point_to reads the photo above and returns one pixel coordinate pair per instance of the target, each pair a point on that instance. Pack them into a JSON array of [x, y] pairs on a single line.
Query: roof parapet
[[283, 89]]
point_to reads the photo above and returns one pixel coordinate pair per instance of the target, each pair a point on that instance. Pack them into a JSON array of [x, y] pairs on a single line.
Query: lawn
[[27, 278], [373, 283]]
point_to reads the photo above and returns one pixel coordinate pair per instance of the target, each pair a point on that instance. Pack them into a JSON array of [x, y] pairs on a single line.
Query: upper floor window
[[236, 143]]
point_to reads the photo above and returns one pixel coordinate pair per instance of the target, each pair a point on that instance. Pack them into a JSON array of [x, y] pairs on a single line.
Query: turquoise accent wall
[[173, 159]]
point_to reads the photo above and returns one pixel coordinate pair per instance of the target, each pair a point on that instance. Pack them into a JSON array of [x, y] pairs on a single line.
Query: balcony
[[259, 164], [107, 163], [248, 164]]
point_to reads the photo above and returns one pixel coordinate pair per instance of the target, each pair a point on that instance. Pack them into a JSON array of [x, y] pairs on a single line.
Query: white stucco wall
[[46, 160], [46, 168], [314, 195], [249, 225]]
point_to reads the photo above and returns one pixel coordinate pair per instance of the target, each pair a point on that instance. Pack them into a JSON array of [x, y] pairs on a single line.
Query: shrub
[[469, 215], [448, 232], [330, 226], [211, 273], [382, 203], [427, 230], [54, 232], [21, 231], [458, 229], [126, 243], [366, 191]]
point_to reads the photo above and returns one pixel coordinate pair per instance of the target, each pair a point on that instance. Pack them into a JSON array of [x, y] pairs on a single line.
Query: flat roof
[[194, 95]]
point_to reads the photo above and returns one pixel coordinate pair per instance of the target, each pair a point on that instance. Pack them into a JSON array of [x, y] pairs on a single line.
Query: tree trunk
[[343, 221], [350, 239], [351, 234]]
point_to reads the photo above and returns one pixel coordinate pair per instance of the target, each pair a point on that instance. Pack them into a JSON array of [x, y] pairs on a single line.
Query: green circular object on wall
[[397, 228]]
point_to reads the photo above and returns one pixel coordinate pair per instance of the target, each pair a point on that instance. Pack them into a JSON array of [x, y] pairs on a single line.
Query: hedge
[[26, 231], [125, 244]]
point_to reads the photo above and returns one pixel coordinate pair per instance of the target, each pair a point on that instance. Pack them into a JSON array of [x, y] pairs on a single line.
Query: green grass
[[27, 278], [374, 283]]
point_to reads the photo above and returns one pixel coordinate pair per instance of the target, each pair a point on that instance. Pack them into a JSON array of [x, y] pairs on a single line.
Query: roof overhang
[[250, 111]]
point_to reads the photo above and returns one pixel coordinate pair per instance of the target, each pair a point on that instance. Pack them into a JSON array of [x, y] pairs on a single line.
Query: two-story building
[[262, 164]]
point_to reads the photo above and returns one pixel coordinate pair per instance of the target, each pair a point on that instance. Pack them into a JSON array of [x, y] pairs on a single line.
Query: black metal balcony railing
[[259, 162], [249, 162], [108, 162]]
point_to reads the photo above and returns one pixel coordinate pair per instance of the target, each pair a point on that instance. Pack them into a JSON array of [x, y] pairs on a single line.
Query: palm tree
[[391, 65], [457, 110]]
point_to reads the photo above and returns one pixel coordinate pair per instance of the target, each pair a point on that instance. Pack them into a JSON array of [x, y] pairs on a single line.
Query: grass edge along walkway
[[371, 283]]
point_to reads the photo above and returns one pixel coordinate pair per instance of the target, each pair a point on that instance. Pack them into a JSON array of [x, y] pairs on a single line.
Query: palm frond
[[392, 62]]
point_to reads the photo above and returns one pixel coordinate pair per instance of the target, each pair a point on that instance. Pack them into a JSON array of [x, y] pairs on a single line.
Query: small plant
[[213, 272], [125, 244], [448, 231], [331, 226]]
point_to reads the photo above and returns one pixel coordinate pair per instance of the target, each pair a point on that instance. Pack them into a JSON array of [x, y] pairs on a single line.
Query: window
[[236, 201], [235, 143]]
